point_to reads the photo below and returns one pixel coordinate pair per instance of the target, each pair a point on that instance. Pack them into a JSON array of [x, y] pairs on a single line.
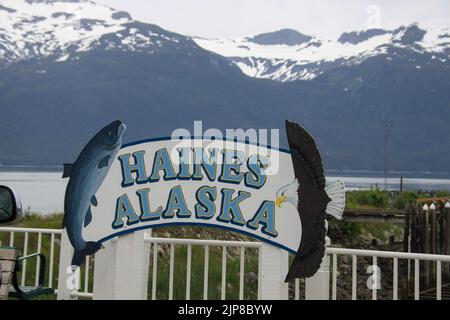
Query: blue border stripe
[[135, 143], [199, 224]]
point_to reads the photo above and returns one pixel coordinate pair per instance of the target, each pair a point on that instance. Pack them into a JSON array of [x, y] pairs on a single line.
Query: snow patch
[[307, 60]]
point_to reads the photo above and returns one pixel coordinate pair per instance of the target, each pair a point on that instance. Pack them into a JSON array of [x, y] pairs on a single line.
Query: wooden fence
[[427, 230]]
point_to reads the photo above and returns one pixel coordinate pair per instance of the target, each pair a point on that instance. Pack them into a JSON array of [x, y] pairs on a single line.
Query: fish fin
[[79, 256], [94, 201], [67, 170], [336, 192], [104, 162], [88, 217]]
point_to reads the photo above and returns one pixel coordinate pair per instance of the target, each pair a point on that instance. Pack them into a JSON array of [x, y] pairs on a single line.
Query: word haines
[[192, 163]]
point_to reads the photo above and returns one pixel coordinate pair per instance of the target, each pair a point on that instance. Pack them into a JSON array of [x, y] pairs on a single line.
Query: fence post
[[447, 235], [121, 269], [427, 245], [272, 270], [68, 280], [318, 286], [105, 270], [414, 231]]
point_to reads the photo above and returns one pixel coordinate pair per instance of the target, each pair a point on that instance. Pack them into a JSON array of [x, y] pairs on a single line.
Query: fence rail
[[395, 256], [47, 241], [206, 244]]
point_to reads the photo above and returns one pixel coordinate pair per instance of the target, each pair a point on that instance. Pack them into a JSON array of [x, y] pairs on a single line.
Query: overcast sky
[[323, 18]]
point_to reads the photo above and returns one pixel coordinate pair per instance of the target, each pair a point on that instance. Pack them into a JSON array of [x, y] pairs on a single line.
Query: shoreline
[[334, 173], [43, 191]]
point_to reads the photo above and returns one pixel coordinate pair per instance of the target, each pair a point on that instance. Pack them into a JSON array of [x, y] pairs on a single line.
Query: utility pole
[[387, 126]]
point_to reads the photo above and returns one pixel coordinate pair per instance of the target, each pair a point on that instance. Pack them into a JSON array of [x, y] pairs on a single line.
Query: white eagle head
[[288, 193]]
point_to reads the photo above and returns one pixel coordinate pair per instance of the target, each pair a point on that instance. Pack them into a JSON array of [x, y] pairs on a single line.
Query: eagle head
[[288, 193]]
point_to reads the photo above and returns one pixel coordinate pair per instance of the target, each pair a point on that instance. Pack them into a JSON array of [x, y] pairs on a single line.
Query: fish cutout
[[86, 176]]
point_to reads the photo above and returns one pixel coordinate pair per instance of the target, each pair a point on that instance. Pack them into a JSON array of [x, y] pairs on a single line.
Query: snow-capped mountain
[[63, 29], [67, 67], [287, 55]]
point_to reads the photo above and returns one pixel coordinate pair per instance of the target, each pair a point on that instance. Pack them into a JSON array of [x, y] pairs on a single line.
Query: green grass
[[367, 199], [197, 273], [388, 200], [197, 267]]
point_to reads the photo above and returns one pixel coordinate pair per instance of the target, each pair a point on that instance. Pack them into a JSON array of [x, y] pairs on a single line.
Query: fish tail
[[336, 192], [79, 256]]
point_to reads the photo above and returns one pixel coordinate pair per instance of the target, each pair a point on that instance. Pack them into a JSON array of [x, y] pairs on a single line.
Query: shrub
[[374, 198]]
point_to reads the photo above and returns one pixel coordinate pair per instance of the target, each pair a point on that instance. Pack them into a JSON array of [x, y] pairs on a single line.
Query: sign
[[224, 187], [230, 185]]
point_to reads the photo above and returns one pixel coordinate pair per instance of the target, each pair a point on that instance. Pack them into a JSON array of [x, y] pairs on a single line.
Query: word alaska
[[235, 169]]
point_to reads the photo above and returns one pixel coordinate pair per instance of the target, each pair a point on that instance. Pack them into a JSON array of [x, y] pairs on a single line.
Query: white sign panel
[[222, 184]]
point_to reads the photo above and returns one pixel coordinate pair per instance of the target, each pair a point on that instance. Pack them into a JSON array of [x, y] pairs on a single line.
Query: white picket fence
[[206, 244], [395, 257], [24, 247], [48, 241]]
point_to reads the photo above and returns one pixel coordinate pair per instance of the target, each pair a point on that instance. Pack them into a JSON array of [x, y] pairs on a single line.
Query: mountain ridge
[[57, 89], [306, 60]]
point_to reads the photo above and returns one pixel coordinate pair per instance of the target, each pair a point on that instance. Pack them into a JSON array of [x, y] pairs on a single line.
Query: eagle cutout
[[313, 200]]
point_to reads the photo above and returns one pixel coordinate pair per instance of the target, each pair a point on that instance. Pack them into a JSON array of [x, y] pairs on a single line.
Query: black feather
[[313, 200], [301, 142], [307, 262]]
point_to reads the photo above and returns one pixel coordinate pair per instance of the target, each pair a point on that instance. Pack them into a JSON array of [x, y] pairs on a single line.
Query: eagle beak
[[280, 200]]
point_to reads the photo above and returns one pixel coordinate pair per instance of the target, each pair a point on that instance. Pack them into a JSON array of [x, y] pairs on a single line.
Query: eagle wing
[[312, 202]]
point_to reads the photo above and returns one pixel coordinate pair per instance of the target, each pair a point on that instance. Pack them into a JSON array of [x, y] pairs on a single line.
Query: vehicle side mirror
[[10, 205]]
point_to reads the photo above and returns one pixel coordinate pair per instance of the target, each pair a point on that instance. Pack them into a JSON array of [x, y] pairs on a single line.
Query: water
[[42, 189], [412, 181]]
